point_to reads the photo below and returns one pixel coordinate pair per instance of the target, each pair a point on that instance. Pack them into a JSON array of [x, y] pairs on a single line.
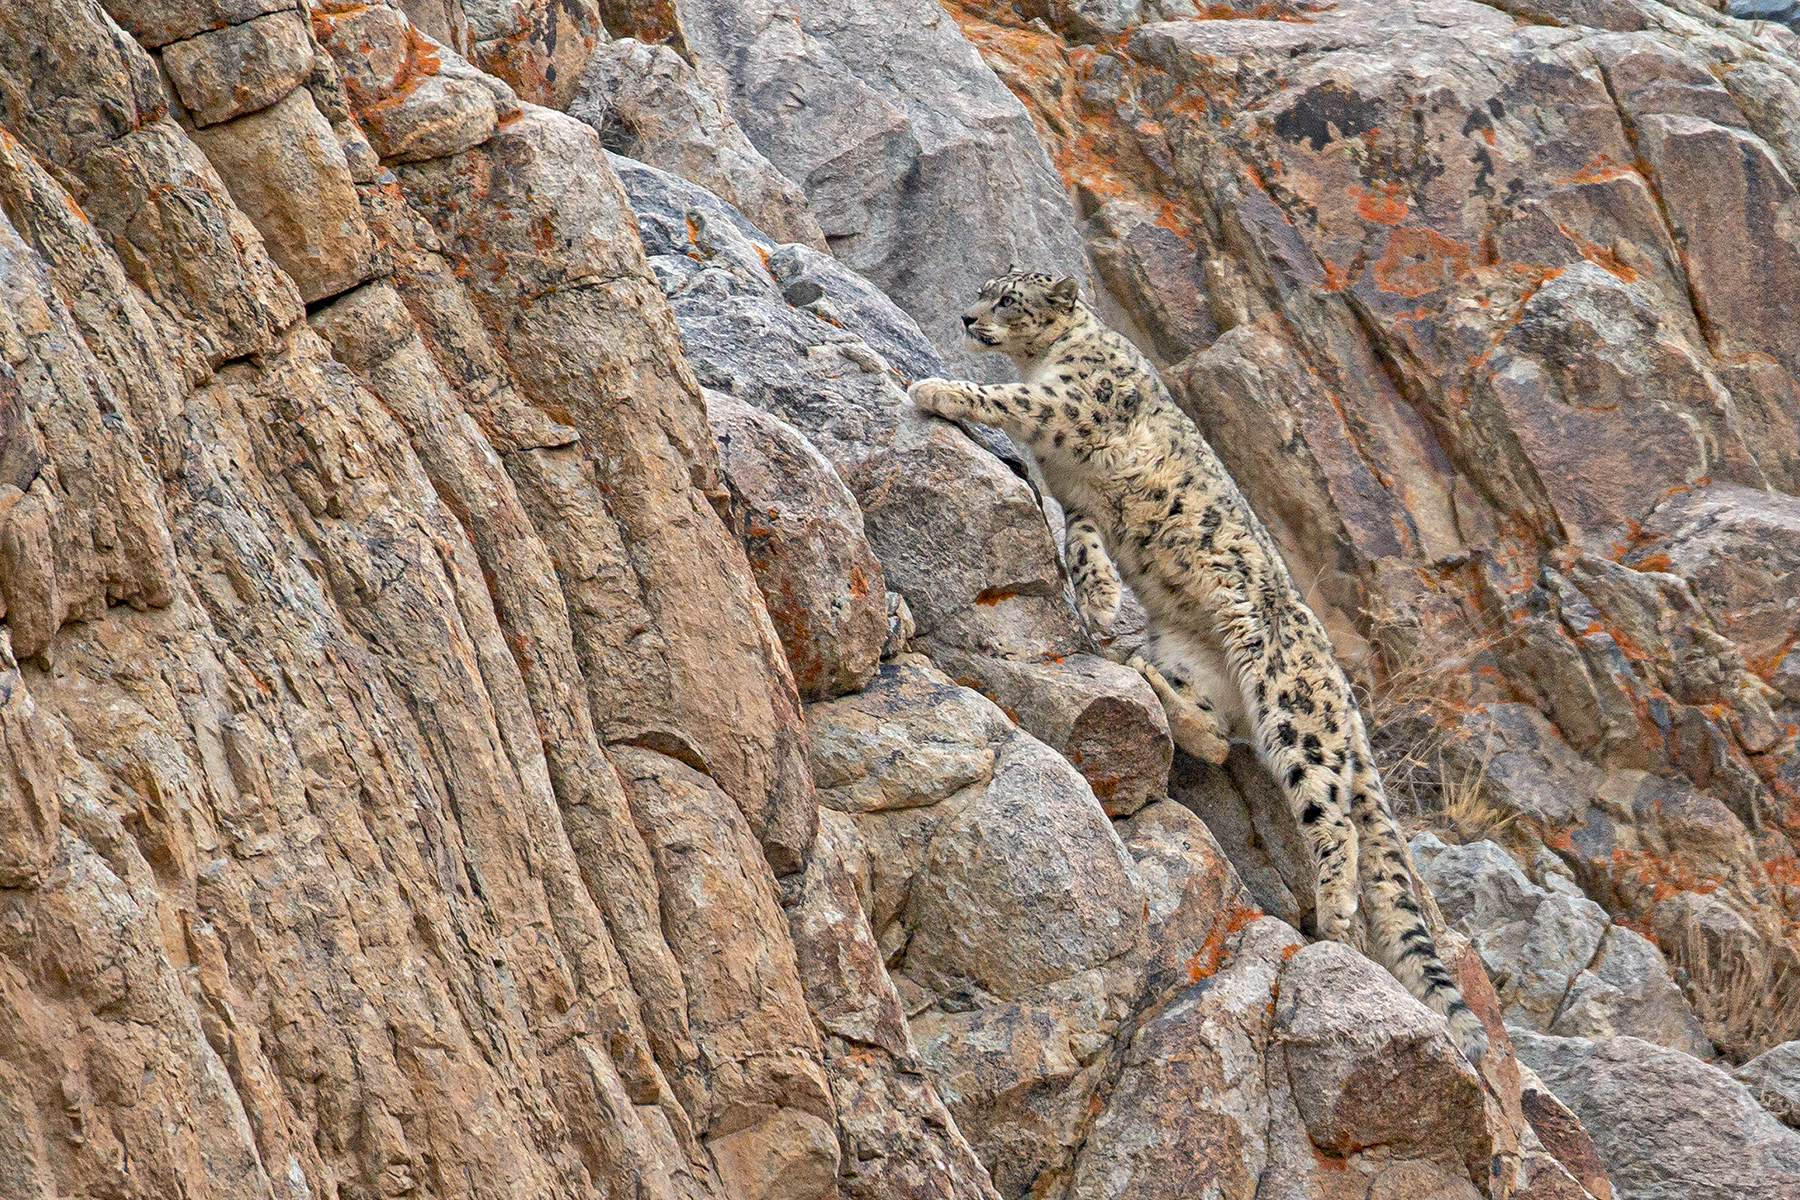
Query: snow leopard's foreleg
[[1091, 571], [1045, 416]]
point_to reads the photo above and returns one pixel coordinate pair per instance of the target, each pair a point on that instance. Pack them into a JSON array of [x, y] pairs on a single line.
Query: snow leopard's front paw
[[945, 397]]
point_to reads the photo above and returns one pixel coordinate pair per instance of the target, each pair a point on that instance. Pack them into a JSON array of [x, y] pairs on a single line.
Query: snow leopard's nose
[[968, 321]]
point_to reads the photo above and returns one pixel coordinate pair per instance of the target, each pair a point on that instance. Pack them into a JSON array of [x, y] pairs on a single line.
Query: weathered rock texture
[[1491, 310], [1665, 1125], [500, 695]]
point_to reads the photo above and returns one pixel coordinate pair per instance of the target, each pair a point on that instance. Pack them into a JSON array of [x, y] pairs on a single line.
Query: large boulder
[[1774, 1079], [649, 104], [1667, 1126], [803, 534], [924, 171], [1557, 960]]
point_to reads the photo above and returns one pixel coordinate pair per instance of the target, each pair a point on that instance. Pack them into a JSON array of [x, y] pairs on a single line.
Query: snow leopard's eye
[[1006, 302]]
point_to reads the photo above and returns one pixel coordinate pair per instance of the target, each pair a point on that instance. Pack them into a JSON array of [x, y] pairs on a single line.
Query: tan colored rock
[[759, 1054], [538, 228], [897, 1138], [373, 47], [803, 534], [74, 80], [414, 98], [1195, 900], [436, 116], [183, 241], [537, 46], [791, 1156], [29, 806], [288, 174], [159, 22], [225, 74], [80, 526], [443, 21], [371, 332]]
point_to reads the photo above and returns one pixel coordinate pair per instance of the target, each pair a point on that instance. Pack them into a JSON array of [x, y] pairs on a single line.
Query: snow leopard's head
[[1015, 311]]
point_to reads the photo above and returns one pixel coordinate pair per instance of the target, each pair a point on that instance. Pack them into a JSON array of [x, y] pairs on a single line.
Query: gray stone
[[1242, 807], [1024, 883], [1099, 715], [648, 104], [1787, 12], [1370, 1065], [1740, 549], [912, 738], [1628, 989], [1478, 886], [924, 171], [1563, 1137], [819, 283], [1534, 962], [1019, 1075], [1194, 898], [1558, 963], [1194, 1108], [1666, 1125], [1773, 1078]]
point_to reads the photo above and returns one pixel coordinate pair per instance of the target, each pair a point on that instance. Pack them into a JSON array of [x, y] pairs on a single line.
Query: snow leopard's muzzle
[[981, 331]]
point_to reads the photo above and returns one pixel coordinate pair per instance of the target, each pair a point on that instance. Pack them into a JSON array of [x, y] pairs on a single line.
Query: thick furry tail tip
[[1470, 1036]]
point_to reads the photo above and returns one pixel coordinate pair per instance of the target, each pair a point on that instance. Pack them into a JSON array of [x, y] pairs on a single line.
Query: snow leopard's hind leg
[[1398, 932], [1194, 729]]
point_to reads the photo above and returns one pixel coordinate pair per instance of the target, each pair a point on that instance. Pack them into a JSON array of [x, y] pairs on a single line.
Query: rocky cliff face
[[501, 696]]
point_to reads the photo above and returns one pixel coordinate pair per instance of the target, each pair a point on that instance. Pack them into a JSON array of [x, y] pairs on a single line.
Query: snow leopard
[[1232, 647]]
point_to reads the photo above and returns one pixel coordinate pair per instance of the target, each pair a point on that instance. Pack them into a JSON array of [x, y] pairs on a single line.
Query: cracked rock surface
[[501, 695]]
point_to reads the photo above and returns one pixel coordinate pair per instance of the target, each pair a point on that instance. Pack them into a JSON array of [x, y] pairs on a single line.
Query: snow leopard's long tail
[[1398, 932]]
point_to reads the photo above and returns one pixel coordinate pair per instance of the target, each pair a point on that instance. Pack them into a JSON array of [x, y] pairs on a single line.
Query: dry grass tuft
[[1466, 811], [1434, 773], [1747, 1006]]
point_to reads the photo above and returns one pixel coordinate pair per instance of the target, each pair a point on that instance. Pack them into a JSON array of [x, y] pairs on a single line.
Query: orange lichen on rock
[[1206, 961], [1418, 261], [1385, 207], [1600, 169]]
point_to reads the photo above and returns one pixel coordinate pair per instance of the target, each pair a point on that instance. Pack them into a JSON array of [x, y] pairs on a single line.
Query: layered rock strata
[[502, 696]]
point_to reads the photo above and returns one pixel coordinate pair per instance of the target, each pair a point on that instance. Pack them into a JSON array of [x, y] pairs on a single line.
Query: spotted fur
[[1232, 646]]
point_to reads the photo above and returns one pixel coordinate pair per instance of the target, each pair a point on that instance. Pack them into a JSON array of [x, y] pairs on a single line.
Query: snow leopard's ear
[[1065, 292]]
